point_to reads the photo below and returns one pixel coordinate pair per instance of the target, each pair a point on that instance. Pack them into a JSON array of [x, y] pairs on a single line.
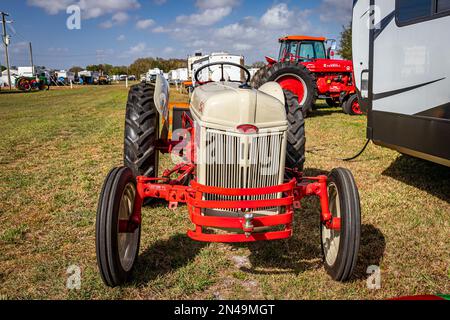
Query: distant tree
[[142, 65], [258, 64], [345, 47], [118, 70], [76, 69], [93, 67], [2, 68]]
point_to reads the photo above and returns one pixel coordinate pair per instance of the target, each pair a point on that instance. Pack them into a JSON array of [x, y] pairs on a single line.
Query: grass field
[[58, 146]]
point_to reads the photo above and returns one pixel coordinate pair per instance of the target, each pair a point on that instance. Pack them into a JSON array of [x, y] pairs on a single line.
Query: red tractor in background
[[306, 68]]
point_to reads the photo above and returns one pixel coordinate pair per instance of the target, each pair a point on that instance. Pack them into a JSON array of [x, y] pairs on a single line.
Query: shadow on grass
[[292, 256], [11, 92], [427, 176], [371, 250], [303, 251], [165, 256]]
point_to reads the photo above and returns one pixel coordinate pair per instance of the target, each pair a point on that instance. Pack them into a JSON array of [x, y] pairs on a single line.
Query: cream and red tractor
[[241, 178], [306, 68]]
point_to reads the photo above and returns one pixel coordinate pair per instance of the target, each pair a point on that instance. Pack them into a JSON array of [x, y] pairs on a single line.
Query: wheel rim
[[127, 242], [356, 108], [331, 238], [295, 84]]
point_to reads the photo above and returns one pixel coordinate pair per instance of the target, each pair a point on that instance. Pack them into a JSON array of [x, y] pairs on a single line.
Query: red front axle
[[245, 225]]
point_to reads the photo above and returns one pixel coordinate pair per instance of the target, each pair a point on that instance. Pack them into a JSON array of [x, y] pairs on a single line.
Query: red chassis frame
[[174, 192], [292, 191]]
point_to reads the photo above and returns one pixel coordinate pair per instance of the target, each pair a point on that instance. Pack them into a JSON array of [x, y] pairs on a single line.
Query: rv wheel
[[351, 106], [141, 131], [340, 247], [117, 250]]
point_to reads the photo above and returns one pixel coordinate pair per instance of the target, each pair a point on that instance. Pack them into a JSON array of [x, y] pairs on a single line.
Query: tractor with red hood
[[306, 67]]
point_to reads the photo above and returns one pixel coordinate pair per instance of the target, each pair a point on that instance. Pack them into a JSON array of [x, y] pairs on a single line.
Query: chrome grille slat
[[227, 166]]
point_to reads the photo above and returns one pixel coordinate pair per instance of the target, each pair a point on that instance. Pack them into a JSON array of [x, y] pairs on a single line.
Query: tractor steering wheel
[[247, 80]]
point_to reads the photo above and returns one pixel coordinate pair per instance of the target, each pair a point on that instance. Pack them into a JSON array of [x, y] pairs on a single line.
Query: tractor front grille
[[244, 161]]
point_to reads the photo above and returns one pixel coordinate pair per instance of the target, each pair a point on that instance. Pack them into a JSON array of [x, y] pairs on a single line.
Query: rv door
[[361, 27]]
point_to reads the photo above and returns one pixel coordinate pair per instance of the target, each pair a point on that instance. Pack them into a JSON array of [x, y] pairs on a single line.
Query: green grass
[[58, 146]]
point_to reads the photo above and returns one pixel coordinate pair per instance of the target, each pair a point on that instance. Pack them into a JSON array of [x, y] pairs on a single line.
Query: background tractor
[[241, 154], [305, 67], [32, 83]]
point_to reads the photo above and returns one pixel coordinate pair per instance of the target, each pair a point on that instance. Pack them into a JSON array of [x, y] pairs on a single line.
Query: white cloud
[[145, 24], [159, 2], [121, 37], [242, 46], [253, 36], [160, 29], [336, 10], [117, 19], [205, 18], [168, 50], [277, 17], [51, 6], [90, 8], [139, 50], [212, 4]]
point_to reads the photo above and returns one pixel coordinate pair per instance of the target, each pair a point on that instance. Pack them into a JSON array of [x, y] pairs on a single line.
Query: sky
[[120, 31]]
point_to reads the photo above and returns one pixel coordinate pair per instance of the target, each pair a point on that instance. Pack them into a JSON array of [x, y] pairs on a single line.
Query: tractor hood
[[328, 65], [226, 106]]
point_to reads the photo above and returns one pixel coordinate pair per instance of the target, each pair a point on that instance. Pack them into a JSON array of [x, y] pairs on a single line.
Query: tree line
[[140, 66]]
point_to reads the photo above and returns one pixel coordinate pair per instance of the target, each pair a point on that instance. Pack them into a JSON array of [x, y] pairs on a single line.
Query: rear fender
[[161, 97], [273, 89], [270, 60]]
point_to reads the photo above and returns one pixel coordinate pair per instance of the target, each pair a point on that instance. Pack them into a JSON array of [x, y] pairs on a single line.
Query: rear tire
[[340, 247], [141, 131], [295, 155], [279, 71], [116, 252]]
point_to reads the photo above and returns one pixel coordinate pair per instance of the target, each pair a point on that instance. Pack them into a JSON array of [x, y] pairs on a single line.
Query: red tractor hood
[[328, 65]]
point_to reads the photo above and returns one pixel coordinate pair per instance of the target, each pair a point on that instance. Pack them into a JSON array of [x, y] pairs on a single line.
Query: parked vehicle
[[307, 68], [242, 152], [104, 80], [402, 72], [152, 73], [32, 83]]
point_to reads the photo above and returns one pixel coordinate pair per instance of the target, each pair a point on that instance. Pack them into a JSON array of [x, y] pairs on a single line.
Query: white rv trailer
[[152, 73], [191, 60], [402, 72], [214, 73]]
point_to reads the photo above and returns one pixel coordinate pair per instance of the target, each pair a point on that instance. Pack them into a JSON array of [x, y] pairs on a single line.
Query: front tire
[[340, 247], [116, 252]]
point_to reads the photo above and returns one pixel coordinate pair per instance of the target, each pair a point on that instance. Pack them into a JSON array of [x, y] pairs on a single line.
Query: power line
[[6, 43]]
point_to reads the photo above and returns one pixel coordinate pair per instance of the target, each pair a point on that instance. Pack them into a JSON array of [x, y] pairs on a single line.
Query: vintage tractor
[[306, 68], [32, 83], [241, 155]]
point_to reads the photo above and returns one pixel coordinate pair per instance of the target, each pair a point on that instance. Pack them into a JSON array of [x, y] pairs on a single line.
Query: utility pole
[[6, 43], [31, 59]]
